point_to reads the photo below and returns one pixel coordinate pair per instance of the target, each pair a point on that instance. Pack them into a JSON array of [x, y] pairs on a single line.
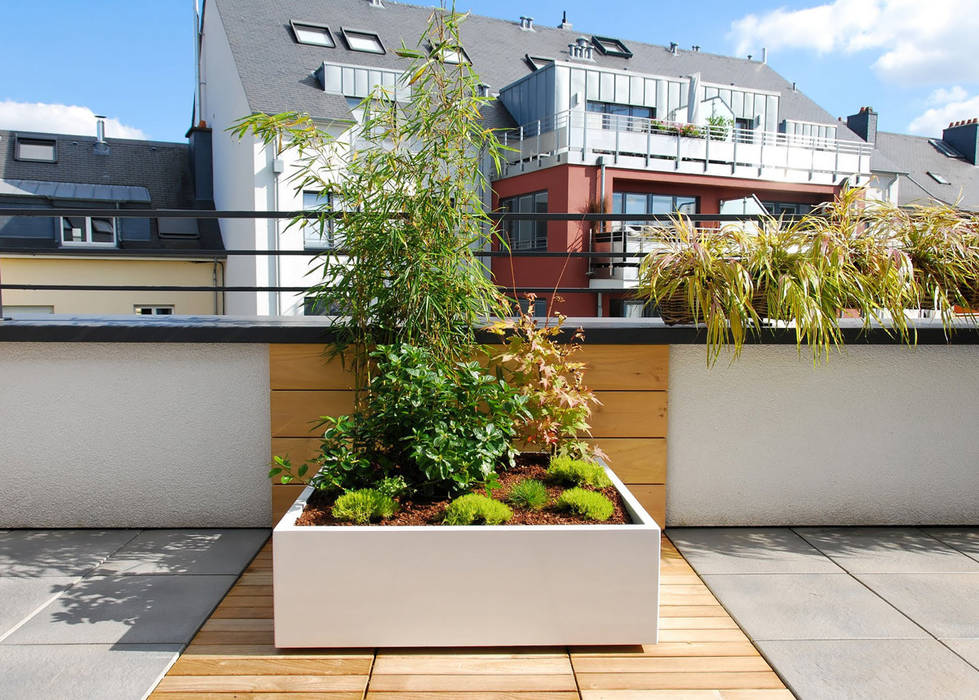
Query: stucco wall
[[880, 435], [134, 435]]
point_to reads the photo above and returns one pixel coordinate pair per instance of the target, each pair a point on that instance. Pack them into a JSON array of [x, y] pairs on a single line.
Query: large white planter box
[[500, 585]]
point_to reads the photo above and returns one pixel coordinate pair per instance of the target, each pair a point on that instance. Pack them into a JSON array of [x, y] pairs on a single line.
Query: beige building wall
[[114, 271]]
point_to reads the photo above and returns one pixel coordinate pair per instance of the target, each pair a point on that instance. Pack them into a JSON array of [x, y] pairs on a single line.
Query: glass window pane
[[661, 204], [686, 205], [362, 41], [103, 231], [73, 229], [318, 36], [35, 149]]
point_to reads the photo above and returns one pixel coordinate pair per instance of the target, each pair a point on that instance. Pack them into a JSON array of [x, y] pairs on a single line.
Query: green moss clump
[[588, 504], [577, 472], [529, 493], [474, 508], [364, 505]]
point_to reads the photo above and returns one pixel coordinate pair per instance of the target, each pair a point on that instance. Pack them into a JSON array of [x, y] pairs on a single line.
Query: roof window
[[36, 150], [368, 42], [944, 148], [451, 54], [313, 34], [537, 62], [939, 178], [611, 47]]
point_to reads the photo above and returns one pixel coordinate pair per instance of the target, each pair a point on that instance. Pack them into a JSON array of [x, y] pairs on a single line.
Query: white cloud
[[60, 119], [947, 105], [915, 42]]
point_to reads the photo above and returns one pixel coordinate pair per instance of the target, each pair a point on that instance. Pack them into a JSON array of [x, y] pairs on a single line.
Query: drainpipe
[[601, 163], [274, 262]]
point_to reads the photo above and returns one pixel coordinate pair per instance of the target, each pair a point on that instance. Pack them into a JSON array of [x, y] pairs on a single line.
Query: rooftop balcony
[[580, 137]]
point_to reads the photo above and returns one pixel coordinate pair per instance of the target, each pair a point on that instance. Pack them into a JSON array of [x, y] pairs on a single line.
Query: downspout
[[214, 282], [274, 262], [601, 201]]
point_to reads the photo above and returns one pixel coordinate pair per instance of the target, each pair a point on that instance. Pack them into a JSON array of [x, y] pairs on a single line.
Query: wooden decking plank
[[679, 681], [260, 683], [452, 664], [657, 664], [189, 665], [473, 695], [339, 695], [464, 682]]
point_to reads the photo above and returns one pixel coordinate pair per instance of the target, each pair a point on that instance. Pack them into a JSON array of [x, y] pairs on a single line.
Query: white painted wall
[[880, 435], [134, 435]]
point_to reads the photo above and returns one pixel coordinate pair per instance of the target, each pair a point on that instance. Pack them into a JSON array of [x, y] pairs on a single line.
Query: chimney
[[201, 166], [674, 47], [963, 136], [695, 48], [764, 55], [565, 24], [581, 48], [375, 3], [101, 148], [483, 90], [864, 124], [527, 24]]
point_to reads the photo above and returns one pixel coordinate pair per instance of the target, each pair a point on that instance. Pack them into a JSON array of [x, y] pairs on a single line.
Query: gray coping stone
[[19, 597], [82, 672], [872, 669], [57, 552], [880, 550], [964, 539], [749, 550], [808, 606], [947, 605], [132, 609], [968, 649], [186, 552]]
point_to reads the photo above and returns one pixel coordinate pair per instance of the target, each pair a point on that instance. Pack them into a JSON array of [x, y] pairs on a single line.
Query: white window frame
[[155, 309], [87, 241]]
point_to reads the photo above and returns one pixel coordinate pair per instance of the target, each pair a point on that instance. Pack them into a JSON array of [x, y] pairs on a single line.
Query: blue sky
[[914, 62]]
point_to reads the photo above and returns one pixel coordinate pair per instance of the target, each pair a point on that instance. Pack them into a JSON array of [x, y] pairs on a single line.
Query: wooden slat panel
[[633, 367], [653, 499], [283, 496], [295, 413], [629, 414], [298, 450], [304, 366], [635, 460]]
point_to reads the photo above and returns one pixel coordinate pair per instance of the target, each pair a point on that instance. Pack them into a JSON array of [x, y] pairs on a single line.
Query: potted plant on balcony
[[428, 452]]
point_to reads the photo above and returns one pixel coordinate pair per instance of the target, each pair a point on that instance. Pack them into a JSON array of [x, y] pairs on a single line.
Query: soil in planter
[[428, 512]]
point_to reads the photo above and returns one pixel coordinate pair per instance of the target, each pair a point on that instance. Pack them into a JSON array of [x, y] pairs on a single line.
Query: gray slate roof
[[277, 72], [915, 156]]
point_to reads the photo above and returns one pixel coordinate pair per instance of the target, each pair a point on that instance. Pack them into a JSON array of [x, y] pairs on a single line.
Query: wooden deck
[[702, 655]]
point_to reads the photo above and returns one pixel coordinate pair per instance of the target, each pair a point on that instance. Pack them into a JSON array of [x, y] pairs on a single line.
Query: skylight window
[[944, 148], [452, 54], [939, 178], [313, 34], [37, 150], [368, 42], [537, 62], [611, 47]]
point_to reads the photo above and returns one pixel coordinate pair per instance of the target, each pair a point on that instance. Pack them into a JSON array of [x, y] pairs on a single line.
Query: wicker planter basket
[[675, 310]]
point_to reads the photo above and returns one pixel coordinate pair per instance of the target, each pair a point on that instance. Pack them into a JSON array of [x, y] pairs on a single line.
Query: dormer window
[[367, 42], [537, 62], [36, 150], [313, 34], [944, 148], [611, 47]]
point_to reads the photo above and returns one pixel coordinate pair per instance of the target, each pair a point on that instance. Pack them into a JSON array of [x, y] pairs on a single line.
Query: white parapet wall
[[134, 435], [880, 435]]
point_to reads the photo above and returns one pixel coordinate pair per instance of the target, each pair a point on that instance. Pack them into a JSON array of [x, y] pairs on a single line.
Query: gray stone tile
[[185, 552], [808, 606], [968, 649], [880, 550], [57, 552], [872, 669], [964, 539], [131, 609], [947, 605], [19, 597], [82, 672], [749, 550]]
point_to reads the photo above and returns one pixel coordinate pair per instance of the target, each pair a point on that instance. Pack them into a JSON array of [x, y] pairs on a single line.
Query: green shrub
[[528, 493], [364, 505], [588, 504], [475, 508], [576, 472]]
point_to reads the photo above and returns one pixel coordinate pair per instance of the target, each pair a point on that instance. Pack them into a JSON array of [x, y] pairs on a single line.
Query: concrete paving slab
[[129, 609], [19, 597], [186, 552], [874, 550], [895, 669], [57, 552], [82, 672], [947, 605], [964, 539], [749, 550], [968, 649], [808, 606]]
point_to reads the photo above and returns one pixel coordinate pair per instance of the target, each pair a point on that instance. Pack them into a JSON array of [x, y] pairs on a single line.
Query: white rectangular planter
[[498, 585]]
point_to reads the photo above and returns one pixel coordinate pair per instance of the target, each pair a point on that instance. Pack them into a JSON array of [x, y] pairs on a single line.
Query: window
[[539, 310], [537, 62], [525, 234], [944, 148], [313, 34], [622, 117], [36, 150], [452, 54], [643, 203], [315, 307], [157, 310], [743, 130], [787, 208], [611, 47], [368, 42], [88, 230], [321, 234], [939, 178], [631, 308]]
